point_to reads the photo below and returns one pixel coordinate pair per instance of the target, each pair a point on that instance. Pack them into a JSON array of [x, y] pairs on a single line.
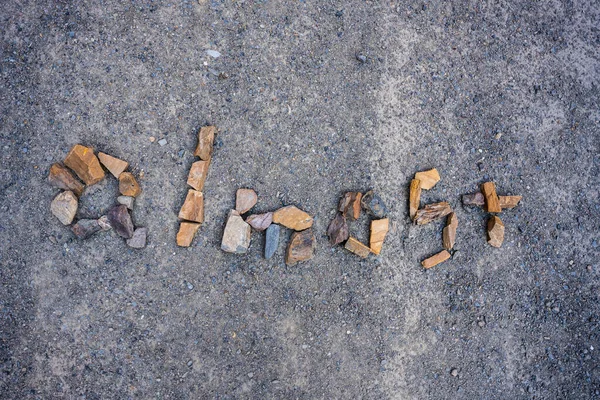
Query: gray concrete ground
[[506, 91]]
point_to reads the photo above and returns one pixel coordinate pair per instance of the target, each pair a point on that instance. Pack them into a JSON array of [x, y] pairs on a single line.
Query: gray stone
[[236, 237], [84, 228], [127, 201], [138, 239], [374, 205], [272, 240], [120, 220]]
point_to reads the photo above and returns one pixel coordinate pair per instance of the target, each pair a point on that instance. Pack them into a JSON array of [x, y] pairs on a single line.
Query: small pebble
[[162, 142], [481, 324], [454, 372], [362, 58], [190, 363], [189, 286], [152, 139], [213, 53]]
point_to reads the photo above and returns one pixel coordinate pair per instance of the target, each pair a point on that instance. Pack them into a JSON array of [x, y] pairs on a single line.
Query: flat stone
[[138, 239], [236, 237], [64, 207], [414, 200], [198, 174], [379, 229], [113, 164], [350, 205], [473, 199], [449, 232], [84, 228], [206, 138], [187, 231], [260, 222], [301, 247], [338, 230], [428, 178], [495, 231], [431, 212], [435, 259], [492, 203], [82, 160], [128, 186], [126, 201], [293, 218], [272, 240], [509, 201], [357, 247], [60, 177], [193, 207], [374, 205], [120, 220], [245, 199], [104, 223]]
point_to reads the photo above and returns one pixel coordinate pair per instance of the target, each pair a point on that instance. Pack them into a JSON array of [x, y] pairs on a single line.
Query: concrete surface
[[506, 91]]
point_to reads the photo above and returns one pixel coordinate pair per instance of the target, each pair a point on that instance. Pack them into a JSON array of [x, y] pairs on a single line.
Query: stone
[[206, 138], [197, 175], [127, 201], [84, 228], [260, 222], [245, 199], [338, 230], [473, 199], [271, 240], [435, 259], [350, 205], [414, 200], [138, 239], [113, 164], [379, 228], [193, 207], [187, 231], [82, 160], [128, 186], [60, 177], [120, 220], [449, 232], [373, 205], [492, 203], [236, 237], [301, 247], [293, 218], [495, 231], [509, 201], [431, 212], [64, 207], [428, 178], [104, 223], [357, 247]]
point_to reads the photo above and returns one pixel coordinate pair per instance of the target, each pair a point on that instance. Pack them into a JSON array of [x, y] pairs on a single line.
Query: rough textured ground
[[506, 91]]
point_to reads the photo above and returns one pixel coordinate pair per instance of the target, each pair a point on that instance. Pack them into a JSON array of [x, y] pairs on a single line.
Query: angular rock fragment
[[104, 223], [260, 222], [431, 212], [60, 177], [509, 201], [428, 178], [293, 218], [64, 207], [82, 160], [127, 201], [271, 240], [138, 239], [245, 199], [187, 231], [435, 259], [197, 175], [473, 199], [206, 137], [492, 203], [357, 247], [193, 207], [128, 186], [236, 237], [414, 198], [301, 247], [373, 205], [338, 230], [495, 231], [113, 164], [350, 205], [449, 232], [120, 220], [379, 228], [84, 228]]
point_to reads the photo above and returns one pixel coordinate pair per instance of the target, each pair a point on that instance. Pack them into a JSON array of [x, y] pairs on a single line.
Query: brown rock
[[245, 199], [236, 237], [492, 203], [473, 199], [187, 231], [432, 212], [350, 205], [260, 222], [113, 164], [449, 232], [292, 217], [428, 178], [138, 239], [414, 198], [64, 207], [128, 186], [198, 174], [495, 231], [435, 259], [82, 160], [193, 207], [379, 228], [60, 177], [206, 137], [357, 247], [338, 230], [509, 201], [120, 220], [84, 228], [301, 247], [373, 205]]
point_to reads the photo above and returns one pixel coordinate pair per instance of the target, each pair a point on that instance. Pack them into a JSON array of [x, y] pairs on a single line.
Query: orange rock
[[357, 247], [113, 164], [128, 186], [301, 247], [449, 232], [82, 160], [198, 174], [62, 178], [187, 231], [245, 199], [509, 201], [492, 203], [435, 259], [428, 178], [206, 137], [495, 231], [350, 205], [292, 217], [414, 198], [379, 228], [193, 207]]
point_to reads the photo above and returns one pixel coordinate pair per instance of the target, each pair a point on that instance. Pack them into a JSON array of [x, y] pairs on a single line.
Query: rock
[[271, 240], [293, 218], [495, 231], [126, 201], [197, 175], [236, 237], [193, 207], [120, 220], [414, 198], [454, 372], [350, 205], [449, 232], [374, 205], [362, 58], [206, 138], [104, 223], [128, 186], [60, 177], [428, 178], [113, 164], [379, 228], [82, 160], [473, 199], [357, 247], [84, 228], [432, 212], [260, 222], [245, 199], [338, 230], [435, 259], [301, 247], [162, 142], [64, 207], [138, 240], [492, 203], [509, 201], [187, 231], [213, 53]]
